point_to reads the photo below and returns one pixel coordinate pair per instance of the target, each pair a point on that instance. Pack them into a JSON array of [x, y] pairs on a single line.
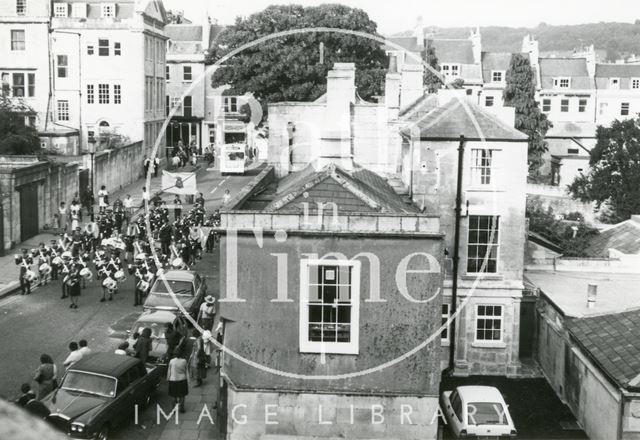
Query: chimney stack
[[392, 88], [336, 142], [411, 84], [592, 293]]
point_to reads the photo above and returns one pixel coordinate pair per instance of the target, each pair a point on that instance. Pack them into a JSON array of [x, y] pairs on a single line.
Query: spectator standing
[[84, 348], [156, 166], [207, 312], [177, 378], [89, 201], [63, 214], [226, 197], [145, 197], [177, 208], [145, 164], [46, 375], [143, 345], [197, 360], [103, 199]]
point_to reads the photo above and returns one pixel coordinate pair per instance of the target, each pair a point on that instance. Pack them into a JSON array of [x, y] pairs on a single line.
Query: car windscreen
[[88, 383], [486, 413], [157, 330], [177, 287]]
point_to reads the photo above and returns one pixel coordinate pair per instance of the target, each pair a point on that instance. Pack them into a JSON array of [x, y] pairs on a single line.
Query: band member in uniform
[[73, 284]]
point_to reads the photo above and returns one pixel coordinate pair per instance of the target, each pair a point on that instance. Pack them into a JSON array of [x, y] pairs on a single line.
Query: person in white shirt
[[122, 348], [84, 349], [145, 197], [74, 356], [103, 199]]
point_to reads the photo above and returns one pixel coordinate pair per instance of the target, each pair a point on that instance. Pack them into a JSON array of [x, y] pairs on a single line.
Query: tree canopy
[[614, 175], [520, 92], [16, 137], [432, 81], [294, 67]]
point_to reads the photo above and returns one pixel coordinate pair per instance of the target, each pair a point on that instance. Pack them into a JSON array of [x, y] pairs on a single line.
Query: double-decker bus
[[233, 158]]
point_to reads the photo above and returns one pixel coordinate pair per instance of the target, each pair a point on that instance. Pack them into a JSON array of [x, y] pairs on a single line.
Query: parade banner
[[179, 183]]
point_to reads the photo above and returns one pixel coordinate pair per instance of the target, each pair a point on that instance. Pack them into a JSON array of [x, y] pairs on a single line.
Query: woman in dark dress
[[73, 285]]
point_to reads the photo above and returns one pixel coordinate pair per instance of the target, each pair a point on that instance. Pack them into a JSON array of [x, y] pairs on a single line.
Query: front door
[[527, 326], [28, 211]]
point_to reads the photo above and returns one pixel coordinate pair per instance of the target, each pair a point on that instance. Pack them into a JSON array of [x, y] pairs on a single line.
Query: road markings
[[219, 185]]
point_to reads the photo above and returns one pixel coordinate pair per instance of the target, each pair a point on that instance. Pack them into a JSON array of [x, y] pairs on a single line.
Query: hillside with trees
[[618, 39]]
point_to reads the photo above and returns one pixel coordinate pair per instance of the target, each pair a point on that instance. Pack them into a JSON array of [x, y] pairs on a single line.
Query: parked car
[[187, 285], [156, 320], [98, 393], [477, 411]]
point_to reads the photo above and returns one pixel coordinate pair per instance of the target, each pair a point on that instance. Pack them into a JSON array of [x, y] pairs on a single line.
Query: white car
[[477, 411]]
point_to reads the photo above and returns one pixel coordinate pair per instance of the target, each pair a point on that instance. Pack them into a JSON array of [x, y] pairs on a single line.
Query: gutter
[[456, 258]]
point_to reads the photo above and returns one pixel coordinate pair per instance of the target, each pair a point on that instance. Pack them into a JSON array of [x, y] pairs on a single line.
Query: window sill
[[446, 343], [487, 188], [490, 277], [488, 344]]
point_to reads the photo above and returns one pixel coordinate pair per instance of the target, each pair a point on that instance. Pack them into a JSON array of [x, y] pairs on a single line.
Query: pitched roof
[[356, 191], [572, 129], [408, 43], [214, 32], [453, 120], [184, 32], [623, 237], [574, 68], [613, 344], [617, 292], [617, 70], [453, 51], [494, 61]]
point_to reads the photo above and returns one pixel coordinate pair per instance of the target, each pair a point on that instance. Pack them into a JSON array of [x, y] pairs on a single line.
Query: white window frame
[[167, 73], [103, 93], [117, 94], [108, 10], [62, 110], [184, 74], [17, 44], [546, 103], [478, 178], [91, 97], [176, 102], [451, 70], [480, 258], [117, 48], [60, 10], [625, 109], [634, 83], [568, 106], [445, 315], [21, 7], [351, 347], [60, 67], [562, 82], [102, 47], [614, 83], [582, 108], [497, 318], [499, 73], [489, 101], [229, 102]]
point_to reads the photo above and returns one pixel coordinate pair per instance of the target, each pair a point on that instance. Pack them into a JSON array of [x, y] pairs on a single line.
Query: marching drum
[[18, 259], [177, 263], [110, 283], [44, 269], [119, 276], [30, 275], [57, 261], [86, 274], [67, 255], [143, 285]]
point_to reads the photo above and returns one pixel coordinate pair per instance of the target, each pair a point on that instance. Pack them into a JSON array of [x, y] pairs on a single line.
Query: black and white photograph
[[319, 220]]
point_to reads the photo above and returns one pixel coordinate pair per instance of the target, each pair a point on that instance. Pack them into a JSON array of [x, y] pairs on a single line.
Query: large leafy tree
[[294, 67], [520, 93], [432, 81], [614, 175], [16, 137]]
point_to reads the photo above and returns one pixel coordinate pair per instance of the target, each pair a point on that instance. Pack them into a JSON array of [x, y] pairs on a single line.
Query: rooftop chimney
[[592, 292], [336, 142], [392, 88], [476, 45], [419, 32], [411, 84]]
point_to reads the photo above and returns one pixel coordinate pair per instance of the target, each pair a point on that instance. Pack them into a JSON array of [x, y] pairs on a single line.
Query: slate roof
[[613, 344], [572, 129], [408, 43], [574, 68], [617, 70], [494, 61], [184, 32], [452, 120], [623, 237], [568, 291], [359, 190], [453, 51]]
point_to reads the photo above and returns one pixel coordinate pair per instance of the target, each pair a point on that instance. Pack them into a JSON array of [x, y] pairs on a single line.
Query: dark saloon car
[[189, 289], [98, 393]]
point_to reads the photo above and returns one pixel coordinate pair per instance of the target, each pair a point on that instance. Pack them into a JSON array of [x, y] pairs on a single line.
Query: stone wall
[[119, 167], [279, 415]]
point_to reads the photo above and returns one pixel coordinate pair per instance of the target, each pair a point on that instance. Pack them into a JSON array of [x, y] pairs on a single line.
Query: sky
[[395, 16]]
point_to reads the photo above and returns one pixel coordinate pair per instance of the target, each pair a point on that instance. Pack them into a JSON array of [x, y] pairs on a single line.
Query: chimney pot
[[592, 292]]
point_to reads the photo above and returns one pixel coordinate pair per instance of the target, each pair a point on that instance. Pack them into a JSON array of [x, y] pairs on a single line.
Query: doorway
[[28, 211]]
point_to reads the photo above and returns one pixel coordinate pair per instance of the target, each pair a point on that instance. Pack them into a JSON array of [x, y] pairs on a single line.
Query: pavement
[[43, 323]]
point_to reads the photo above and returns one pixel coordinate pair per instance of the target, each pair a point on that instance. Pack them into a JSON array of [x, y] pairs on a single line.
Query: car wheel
[[103, 434]]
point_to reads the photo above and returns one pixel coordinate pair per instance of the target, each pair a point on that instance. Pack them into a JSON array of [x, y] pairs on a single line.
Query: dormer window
[[60, 10], [497, 76], [450, 70], [614, 83], [79, 10], [108, 10], [635, 83], [562, 83]]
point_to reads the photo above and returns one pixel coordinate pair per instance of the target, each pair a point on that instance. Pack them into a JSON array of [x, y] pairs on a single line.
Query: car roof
[[109, 364], [478, 393], [179, 275], [159, 316]]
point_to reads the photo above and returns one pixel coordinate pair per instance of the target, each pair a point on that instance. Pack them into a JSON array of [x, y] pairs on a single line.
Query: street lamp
[[91, 147]]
